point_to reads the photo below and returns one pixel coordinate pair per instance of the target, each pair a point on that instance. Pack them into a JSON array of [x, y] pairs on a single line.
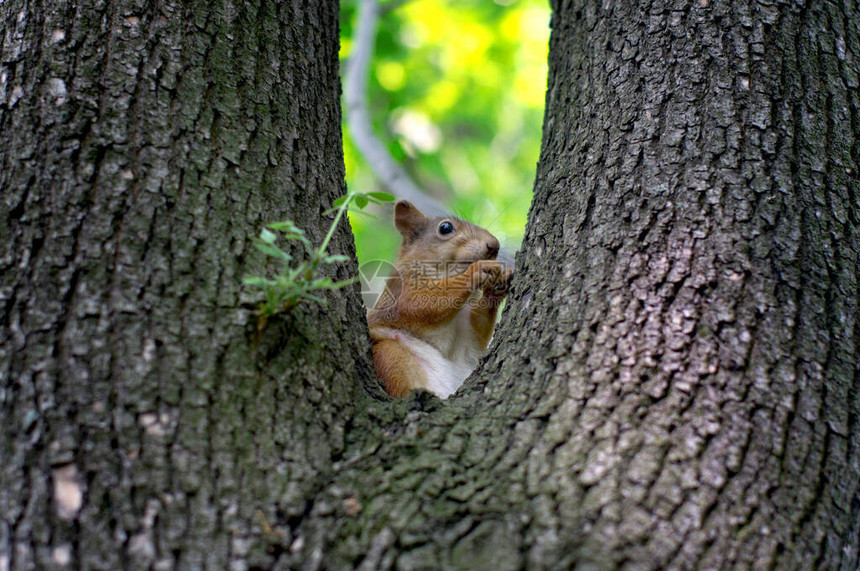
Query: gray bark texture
[[144, 424], [674, 383]]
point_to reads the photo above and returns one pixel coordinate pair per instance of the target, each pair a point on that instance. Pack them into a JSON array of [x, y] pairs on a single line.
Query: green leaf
[[301, 237], [257, 280], [286, 226], [294, 284], [342, 283], [267, 236], [382, 196], [271, 297], [334, 258], [342, 202], [293, 274], [272, 251]]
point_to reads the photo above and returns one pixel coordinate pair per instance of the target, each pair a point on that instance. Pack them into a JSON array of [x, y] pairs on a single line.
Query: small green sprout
[[301, 280]]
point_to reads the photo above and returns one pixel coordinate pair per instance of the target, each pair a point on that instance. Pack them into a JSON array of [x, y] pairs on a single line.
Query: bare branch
[[389, 172], [386, 169]]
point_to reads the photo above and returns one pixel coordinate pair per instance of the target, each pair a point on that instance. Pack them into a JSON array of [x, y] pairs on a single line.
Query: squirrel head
[[452, 241]]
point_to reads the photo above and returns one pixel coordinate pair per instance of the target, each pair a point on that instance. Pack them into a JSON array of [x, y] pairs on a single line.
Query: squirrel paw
[[485, 273], [499, 286]]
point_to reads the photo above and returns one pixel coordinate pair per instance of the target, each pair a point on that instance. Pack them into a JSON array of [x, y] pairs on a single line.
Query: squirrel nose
[[492, 248]]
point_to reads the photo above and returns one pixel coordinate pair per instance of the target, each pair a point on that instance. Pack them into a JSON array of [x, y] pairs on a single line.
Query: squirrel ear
[[408, 220]]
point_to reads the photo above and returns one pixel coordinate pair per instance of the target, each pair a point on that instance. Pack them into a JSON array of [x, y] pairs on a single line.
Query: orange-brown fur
[[394, 366], [434, 282]]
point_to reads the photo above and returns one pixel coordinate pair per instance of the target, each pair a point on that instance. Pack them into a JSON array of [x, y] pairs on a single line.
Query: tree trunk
[[674, 383], [144, 423]]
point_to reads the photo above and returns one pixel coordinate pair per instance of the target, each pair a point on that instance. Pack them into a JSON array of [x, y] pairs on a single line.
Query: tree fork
[[673, 384]]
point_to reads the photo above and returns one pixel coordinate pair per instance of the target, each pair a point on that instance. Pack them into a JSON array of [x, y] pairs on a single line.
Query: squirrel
[[437, 312]]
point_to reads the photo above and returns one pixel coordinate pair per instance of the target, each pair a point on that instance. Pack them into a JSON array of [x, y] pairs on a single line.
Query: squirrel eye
[[446, 228]]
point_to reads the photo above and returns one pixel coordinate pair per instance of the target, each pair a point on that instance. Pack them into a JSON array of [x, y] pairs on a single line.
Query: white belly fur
[[447, 357]]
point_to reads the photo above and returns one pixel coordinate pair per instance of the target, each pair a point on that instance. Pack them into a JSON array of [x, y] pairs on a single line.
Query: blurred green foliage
[[456, 91]]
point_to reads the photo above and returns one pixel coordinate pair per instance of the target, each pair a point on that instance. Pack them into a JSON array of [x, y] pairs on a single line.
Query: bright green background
[[456, 90]]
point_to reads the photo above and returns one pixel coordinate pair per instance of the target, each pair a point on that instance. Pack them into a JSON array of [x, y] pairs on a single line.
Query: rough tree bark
[[674, 383], [143, 143]]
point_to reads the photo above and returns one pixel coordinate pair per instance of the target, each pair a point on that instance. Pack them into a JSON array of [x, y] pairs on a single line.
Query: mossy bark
[[674, 383]]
